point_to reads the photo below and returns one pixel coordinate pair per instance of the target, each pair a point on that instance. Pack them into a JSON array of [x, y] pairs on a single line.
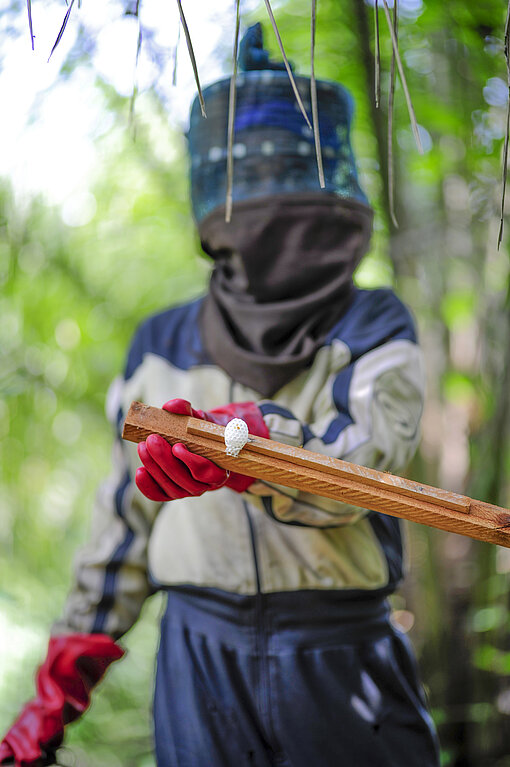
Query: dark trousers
[[305, 679]]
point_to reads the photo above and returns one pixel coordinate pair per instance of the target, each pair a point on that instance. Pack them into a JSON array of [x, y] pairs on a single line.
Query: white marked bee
[[236, 436]]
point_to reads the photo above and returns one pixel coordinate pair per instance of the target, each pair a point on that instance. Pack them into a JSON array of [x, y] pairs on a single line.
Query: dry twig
[[410, 109], [135, 78], [286, 62], [174, 70], [29, 9], [391, 101], [505, 148], [313, 98], [377, 58], [62, 28], [231, 118], [192, 57]]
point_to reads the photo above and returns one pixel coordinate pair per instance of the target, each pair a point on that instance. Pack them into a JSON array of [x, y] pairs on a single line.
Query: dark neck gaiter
[[282, 279]]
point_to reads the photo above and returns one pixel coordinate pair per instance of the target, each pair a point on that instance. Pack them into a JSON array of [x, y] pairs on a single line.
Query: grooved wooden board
[[322, 475]]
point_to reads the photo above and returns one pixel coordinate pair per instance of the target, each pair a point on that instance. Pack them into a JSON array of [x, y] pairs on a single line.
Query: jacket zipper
[[260, 623], [261, 631], [253, 540]]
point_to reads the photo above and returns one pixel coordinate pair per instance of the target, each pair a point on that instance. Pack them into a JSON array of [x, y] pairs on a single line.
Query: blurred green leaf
[[458, 387], [489, 618], [458, 308]]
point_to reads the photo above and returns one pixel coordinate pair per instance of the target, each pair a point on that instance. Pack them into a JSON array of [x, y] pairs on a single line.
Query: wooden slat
[[329, 477], [339, 468]]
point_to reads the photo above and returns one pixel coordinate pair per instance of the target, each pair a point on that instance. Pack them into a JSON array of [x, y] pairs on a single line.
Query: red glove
[[73, 665], [175, 472]]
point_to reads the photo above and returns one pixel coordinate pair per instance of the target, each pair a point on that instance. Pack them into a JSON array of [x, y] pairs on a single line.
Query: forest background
[[79, 270]]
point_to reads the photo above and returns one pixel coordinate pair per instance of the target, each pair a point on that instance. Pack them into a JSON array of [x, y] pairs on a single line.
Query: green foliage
[[71, 297]]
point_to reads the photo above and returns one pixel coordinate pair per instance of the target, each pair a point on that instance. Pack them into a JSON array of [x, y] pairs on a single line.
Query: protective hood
[[282, 278]]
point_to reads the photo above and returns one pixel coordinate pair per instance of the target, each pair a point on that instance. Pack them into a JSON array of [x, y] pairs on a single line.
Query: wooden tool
[[322, 475]]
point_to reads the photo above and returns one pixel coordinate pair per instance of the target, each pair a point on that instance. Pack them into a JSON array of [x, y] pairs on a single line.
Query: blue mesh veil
[[274, 151]]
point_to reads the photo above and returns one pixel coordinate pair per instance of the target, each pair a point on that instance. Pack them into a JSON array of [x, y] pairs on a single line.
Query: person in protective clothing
[[276, 645]]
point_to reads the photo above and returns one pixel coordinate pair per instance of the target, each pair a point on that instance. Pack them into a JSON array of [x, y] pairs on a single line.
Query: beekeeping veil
[[283, 265]]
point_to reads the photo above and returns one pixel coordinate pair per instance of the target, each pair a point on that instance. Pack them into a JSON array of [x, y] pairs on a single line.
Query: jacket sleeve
[[111, 581], [368, 413]]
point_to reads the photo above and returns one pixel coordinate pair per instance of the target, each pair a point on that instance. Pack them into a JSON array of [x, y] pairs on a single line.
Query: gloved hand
[[73, 665], [175, 472]]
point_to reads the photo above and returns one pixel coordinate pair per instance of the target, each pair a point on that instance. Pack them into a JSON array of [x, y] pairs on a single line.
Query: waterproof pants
[[300, 679]]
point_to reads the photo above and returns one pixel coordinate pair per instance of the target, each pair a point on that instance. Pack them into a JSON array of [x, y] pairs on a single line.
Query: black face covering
[[282, 279]]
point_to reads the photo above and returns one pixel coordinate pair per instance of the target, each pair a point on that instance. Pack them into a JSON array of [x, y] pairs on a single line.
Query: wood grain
[[325, 476], [339, 468]]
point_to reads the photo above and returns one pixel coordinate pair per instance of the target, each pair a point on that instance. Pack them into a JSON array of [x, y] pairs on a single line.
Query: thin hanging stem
[[231, 118], [287, 65], [62, 28], [505, 148], [313, 98], [391, 101], [29, 9], [410, 109], [192, 57], [377, 57], [174, 71], [135, 78]]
